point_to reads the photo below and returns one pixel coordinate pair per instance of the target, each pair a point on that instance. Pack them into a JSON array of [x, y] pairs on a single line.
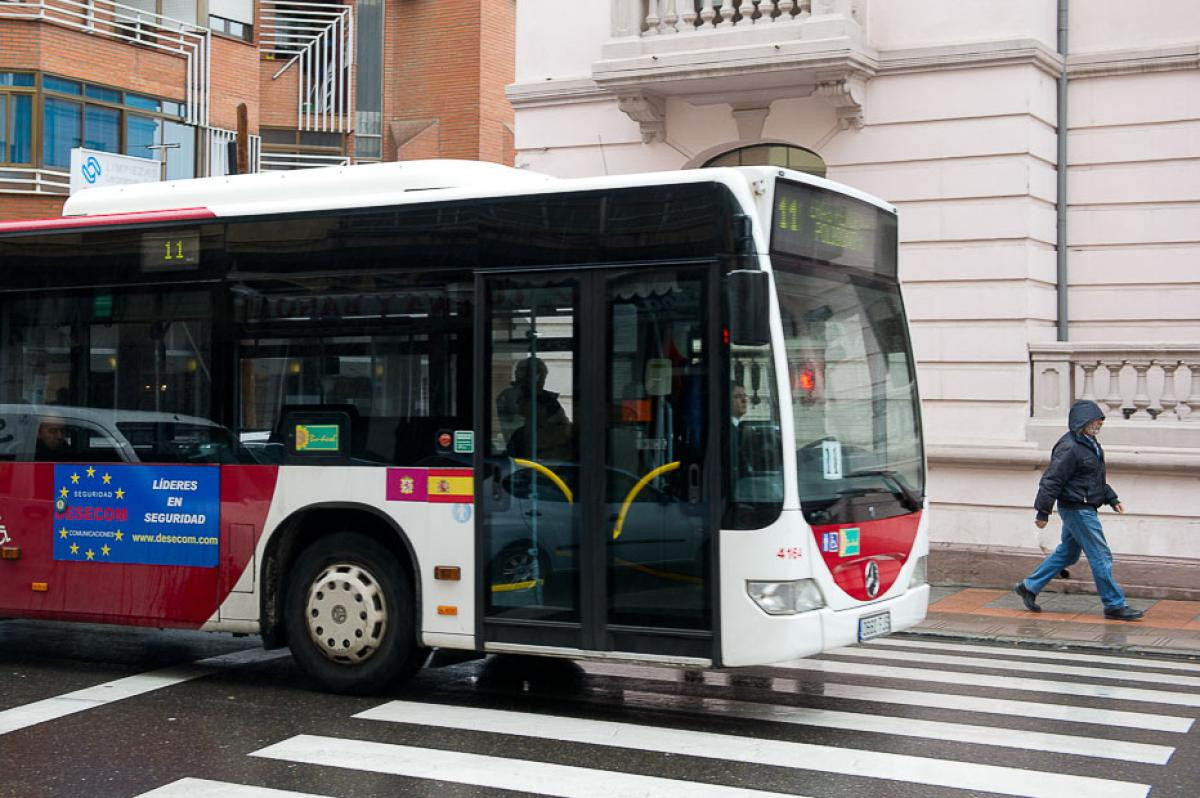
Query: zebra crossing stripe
[[993, 681], [206, 788], [1035, 653], [565, 781], [128, 687], [912, 657], [937, 700], [910, 727], [1004, 706], [776, 753]]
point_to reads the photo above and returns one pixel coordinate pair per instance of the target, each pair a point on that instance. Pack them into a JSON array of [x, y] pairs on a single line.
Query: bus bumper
[[844, 627]]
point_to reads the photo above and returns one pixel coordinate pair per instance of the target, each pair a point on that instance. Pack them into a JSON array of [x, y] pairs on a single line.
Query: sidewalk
[[1169, 627]]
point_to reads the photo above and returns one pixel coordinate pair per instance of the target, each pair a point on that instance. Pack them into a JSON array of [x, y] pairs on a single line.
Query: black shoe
[[1028, 597], [1124, 614]]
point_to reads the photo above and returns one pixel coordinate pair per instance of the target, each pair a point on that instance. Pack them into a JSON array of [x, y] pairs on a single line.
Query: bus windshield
[[854, 395]]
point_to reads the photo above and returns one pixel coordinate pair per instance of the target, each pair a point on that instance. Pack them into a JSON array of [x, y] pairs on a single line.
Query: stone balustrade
[[646, 18], [689, 16], [1131, 382]]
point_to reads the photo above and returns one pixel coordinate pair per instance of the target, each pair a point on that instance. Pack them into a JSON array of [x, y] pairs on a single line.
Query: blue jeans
[[1081, 531]]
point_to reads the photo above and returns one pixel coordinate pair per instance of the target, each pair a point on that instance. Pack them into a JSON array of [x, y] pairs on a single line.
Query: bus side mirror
[[749, 308]]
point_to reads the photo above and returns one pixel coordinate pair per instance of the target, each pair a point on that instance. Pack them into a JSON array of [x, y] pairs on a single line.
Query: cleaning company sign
[[91, 168]]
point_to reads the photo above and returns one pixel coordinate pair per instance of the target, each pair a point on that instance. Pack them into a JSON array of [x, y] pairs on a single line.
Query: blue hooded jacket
[[1075, 476]]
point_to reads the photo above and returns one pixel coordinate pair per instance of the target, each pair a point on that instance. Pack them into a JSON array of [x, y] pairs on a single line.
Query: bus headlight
[[919, 574], [786, 598]]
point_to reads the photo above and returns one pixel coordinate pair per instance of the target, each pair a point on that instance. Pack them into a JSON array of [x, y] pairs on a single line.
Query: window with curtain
[[16, 117]]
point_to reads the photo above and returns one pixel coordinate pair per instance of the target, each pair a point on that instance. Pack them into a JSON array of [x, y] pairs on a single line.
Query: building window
[[62, 130], [231, 27], [75, 114], [16, 117], [783, 155]]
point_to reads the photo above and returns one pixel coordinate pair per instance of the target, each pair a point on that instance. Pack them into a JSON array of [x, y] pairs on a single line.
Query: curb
[[1156, 651]]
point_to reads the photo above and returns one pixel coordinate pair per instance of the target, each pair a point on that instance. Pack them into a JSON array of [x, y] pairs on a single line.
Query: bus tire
[[350, 612]]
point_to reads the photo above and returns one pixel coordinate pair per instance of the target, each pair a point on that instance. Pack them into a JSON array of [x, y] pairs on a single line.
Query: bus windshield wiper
[[909, 497]]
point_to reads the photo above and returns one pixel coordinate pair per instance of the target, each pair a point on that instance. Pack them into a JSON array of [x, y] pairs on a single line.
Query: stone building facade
[[1049, 247]]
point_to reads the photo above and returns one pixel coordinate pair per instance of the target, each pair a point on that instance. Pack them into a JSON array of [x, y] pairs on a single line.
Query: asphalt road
[[100, 711]]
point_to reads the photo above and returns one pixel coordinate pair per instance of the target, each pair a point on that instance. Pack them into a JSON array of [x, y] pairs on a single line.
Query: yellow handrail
[[550, 475], [629, 497]]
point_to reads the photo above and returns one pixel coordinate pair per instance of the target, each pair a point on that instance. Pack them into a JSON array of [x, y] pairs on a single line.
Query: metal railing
[[215, 145], [278, 161], [1129, 381], [19, 180], [135, 26], [318, 39]]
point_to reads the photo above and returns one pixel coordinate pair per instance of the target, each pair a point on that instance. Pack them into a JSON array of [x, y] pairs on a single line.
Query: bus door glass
[[595, 508], [656, 504], [530, 509]]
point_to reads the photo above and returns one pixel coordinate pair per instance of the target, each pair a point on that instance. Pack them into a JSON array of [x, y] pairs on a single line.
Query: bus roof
[[364, 186]]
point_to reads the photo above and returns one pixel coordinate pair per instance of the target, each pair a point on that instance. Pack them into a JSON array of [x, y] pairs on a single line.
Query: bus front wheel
[[350, 612]]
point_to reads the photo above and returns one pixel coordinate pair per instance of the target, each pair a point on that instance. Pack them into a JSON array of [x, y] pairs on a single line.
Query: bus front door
[[596, 506]]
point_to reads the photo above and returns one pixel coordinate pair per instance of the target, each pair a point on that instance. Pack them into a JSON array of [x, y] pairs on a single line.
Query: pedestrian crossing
[[895, 717]]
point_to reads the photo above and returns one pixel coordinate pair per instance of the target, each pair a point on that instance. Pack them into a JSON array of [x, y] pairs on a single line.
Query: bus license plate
[[874, 625]]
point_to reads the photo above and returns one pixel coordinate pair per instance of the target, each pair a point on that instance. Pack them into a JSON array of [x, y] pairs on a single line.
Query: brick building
[[319, 83]]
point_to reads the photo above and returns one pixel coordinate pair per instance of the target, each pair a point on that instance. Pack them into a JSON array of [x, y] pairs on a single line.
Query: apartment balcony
[[315, 42], [742, 52], [1149, 394]]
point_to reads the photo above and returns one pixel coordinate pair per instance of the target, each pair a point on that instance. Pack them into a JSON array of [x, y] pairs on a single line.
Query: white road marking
[[914, 658], [128, 687], [478, 770], [1035, 653], [993, 681], [939, 700], [1003, 706], [777, 753], [206, 788], [909, 727]]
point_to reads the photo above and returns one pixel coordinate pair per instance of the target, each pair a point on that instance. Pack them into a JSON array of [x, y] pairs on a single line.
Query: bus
[[371, 411]]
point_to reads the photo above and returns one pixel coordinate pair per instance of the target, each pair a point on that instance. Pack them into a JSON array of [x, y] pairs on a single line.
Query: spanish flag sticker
[[451, 485]]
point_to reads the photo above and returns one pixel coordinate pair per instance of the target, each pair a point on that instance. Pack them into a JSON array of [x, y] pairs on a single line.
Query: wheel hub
[[346, 613]]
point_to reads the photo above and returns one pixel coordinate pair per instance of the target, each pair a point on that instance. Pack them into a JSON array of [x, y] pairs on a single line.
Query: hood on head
[[1083, 412]]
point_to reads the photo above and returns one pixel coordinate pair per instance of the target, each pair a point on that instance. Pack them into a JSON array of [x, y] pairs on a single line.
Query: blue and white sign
[[153, 515], [91, 168]]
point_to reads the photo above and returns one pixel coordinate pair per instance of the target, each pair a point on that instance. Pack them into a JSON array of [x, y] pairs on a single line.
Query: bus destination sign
[[176, 251], [812, 223]]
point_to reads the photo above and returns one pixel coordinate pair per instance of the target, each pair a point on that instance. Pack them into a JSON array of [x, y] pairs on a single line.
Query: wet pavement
[[1168, 627], [106, 711]]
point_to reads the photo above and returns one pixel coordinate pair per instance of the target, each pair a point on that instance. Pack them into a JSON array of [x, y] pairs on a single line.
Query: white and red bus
[[370, 411]]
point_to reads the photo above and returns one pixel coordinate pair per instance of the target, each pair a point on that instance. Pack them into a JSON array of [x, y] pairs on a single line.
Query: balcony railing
[[1150, 394], [744, 53], [318, 40], [279, 161], [1128, 381], [691, 16], [216, 144], [17, 180], [128, 24]]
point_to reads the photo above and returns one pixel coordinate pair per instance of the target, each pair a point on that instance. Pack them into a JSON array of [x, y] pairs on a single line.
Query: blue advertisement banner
[[152, 515]]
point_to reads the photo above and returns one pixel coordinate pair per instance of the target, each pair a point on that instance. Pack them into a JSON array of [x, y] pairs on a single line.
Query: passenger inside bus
[[532, 418], [52, 440]]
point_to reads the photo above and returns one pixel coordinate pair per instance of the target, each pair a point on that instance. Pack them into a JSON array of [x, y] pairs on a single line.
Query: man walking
[[1075, 478]]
